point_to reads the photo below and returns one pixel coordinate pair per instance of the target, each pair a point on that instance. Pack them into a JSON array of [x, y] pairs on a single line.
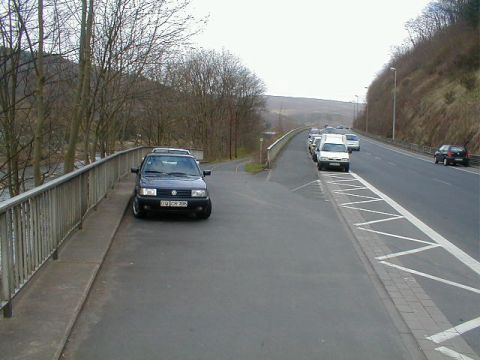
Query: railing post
[[6, 266]]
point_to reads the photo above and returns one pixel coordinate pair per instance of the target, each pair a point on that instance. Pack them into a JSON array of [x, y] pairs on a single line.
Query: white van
[[333, 152]]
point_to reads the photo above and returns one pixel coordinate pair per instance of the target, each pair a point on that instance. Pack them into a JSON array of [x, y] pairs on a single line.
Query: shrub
[[449, 97], [469, 82]]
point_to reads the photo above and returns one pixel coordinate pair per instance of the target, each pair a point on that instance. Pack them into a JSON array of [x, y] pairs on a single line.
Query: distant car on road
[[452, 154], [170, 183], [353, 142]]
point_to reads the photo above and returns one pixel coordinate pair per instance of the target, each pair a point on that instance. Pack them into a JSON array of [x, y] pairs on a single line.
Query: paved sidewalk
[[46, 309]]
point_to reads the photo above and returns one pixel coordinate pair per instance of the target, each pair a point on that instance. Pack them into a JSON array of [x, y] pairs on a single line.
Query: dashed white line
[[455, 331], [441, 181], [354, 195], [453, 354], [408, 252], [432, 277]]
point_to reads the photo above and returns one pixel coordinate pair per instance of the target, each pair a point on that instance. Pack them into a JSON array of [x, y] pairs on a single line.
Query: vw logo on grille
[[174, 192]]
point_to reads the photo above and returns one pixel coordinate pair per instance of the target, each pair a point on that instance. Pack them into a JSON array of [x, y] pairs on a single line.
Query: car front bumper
[[153, 203]]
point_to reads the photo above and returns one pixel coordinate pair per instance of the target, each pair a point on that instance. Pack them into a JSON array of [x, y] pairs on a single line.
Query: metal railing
[[34, 224], [423, 149], [274, 149]]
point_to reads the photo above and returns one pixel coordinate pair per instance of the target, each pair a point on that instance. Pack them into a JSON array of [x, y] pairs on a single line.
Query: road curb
[[87, 290]]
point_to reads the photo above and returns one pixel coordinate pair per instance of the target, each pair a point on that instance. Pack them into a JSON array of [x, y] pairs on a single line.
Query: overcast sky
[[308, 48]]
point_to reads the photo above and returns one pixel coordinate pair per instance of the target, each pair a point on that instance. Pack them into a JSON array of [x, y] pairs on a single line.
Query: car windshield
[[457, 148], [334, 147], [352, 137], [170, 165]]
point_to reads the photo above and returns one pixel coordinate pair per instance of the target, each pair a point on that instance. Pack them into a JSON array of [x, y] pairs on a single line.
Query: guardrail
[[274, 149], [423, 149], [33, 225]]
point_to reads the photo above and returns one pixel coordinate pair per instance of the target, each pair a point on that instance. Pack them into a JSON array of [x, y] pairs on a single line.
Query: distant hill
[[281, 110]]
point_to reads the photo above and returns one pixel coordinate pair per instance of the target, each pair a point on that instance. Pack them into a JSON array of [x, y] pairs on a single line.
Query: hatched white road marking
[[455, 331], [378, 221], [360, 202], [408, 252], [397, 236], [432, 277], [305, 185], [368, 210], [453, 354], [432, 234]]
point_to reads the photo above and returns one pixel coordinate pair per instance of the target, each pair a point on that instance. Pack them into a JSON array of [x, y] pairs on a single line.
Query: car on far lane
[[452, 155], [353, 142], [170, 183]]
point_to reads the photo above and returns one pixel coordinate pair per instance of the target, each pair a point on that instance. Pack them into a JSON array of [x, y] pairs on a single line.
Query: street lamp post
[[366, 105], [356, 107], [394, 99]]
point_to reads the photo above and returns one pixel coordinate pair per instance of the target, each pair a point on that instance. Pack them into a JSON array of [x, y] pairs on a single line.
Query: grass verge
[[254, 167]]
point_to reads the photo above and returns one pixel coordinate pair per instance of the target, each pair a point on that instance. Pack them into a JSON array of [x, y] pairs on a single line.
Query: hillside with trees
[[80, 80], [438, 80]]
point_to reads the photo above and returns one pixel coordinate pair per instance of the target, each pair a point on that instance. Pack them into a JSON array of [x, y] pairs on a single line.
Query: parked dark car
[[171, 183], [452, 154]]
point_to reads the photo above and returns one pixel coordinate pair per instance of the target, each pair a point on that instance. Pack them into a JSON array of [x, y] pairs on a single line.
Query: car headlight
[[322, 158], [199, 193], [148, 192]]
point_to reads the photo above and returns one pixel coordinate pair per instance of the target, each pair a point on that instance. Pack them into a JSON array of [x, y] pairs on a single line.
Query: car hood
[[173, 182]]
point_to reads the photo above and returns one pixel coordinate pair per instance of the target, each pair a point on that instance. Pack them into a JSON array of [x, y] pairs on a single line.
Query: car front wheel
[[136, 209], [347, 168], [445, 161], [205, 213], [436, 160]]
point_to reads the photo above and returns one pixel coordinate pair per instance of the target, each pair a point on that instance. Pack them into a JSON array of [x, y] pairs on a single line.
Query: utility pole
[[394, 99]]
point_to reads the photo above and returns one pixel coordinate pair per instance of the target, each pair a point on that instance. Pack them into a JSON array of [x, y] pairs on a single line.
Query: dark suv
[[171, 183], [452, 154]]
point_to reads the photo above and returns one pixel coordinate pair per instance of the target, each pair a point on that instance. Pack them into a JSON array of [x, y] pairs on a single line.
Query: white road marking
[[432, 277], [432, 234], [455, 331], [360, 188], [391, 163], [453, 354], [397, 236], [416, 157], [361, 202], [355, 195], [441, 181], [408, 252], [337, 181], [370, 211], [301, 187], [378, 221]]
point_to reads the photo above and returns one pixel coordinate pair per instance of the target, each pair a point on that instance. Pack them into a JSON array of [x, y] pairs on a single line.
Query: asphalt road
[[273, 274], [446, 198]]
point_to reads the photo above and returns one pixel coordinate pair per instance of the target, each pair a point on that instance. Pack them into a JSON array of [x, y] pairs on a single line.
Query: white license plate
[[334, 164], [167, 203], [458, 159]]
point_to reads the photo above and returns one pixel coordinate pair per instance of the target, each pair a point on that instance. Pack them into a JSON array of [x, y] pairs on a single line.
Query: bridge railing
[[274, 149], [33, 225]]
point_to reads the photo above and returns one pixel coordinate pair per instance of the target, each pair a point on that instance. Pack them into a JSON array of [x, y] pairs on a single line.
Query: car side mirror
[[207, 172], [134, 170]]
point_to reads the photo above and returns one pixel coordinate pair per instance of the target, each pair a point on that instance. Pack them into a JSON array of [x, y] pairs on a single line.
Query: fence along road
[[34, 224]]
